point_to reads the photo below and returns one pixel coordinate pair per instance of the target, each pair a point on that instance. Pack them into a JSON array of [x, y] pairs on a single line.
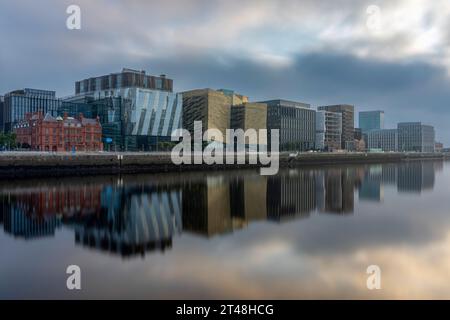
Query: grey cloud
[[38, 51]]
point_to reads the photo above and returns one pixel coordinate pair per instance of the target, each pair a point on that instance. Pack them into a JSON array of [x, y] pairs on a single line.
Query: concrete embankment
[[33, 164]]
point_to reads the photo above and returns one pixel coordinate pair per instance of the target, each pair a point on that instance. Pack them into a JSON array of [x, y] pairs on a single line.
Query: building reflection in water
[[132, 220], [145, 213], [408, 177]]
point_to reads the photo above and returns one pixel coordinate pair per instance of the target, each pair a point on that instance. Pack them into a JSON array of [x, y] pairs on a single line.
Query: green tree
[[8, 140]]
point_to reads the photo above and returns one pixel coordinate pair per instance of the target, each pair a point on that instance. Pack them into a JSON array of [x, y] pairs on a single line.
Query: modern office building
[[108, 85], [1, 113], [328, 130], [348, 122], [20, 102], [415, 137], [212, 108], [384, 140], [296, 123], [153, 111], [250, 116], [371, 120], [113, 114]]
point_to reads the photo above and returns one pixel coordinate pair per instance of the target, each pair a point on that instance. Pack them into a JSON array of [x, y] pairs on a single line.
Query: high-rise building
[[295, 121], [371, 120], [153, 113], [348, 122], [328, 130], [20, 102], [1, 113], [212, 108], [247, 116], [385, 140], [415, 137]]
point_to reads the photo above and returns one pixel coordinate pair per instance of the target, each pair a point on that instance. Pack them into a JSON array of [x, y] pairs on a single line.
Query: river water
[[309, 232]]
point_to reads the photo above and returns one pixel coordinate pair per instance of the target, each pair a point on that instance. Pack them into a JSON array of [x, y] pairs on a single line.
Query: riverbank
[[40, 164]]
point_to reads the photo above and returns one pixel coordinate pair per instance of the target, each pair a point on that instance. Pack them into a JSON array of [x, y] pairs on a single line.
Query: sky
[[376, 55]]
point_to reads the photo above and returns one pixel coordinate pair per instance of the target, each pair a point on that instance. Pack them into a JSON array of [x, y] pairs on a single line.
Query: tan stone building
[[211, 107], [250, 115]]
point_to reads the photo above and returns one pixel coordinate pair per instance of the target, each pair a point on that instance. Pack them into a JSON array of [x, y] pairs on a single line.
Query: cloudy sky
[[388, 55]]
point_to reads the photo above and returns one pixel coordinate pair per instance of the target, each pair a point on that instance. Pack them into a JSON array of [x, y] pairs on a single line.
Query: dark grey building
[[127, 78], [348, 122], [19, 102], [415, 137], [296, 122]]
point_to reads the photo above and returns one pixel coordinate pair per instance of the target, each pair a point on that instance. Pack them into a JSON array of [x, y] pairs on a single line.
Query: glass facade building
[[415, 137], [112, 116], [296, 122], [148, 113], [371, 120], [385, 140], [20, 102]]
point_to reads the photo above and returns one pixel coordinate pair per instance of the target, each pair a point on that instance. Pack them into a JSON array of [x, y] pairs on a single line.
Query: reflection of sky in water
[[307, 233]]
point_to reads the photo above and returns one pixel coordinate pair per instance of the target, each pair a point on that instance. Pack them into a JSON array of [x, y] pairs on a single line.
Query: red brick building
[[47, 133]]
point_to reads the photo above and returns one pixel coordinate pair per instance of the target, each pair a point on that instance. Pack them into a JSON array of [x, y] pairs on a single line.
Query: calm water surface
[[305, 233]]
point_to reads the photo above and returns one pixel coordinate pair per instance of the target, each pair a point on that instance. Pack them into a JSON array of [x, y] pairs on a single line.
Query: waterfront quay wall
[[32, 164]]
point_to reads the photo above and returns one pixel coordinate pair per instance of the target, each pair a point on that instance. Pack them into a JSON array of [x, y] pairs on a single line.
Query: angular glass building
[[148, 113]]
